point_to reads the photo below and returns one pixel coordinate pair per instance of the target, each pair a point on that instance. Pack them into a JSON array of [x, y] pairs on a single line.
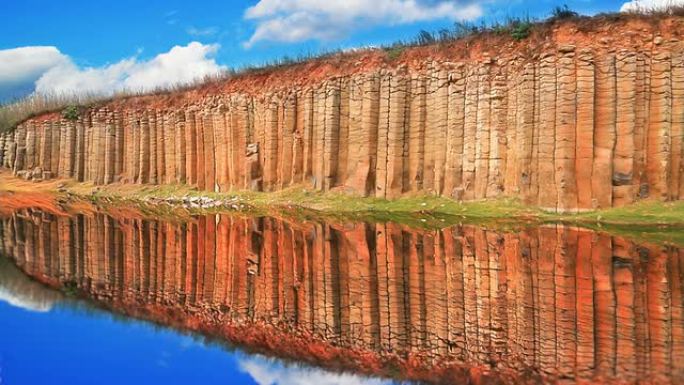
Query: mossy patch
[[650, 219]]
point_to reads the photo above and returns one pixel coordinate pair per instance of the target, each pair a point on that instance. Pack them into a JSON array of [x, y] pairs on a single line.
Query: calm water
[[218, 299], [49, 338]]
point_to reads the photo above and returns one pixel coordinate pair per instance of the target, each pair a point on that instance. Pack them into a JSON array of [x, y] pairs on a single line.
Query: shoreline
[[339, 205]]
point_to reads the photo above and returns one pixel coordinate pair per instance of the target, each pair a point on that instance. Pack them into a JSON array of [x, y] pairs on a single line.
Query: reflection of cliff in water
[[556, 301], [18, 290]]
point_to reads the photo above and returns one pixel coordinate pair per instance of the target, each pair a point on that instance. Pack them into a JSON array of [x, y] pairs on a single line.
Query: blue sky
[[72, 343], [97, 46]]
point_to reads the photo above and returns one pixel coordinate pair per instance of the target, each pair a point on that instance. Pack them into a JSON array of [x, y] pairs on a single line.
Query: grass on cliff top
[[518, 28]]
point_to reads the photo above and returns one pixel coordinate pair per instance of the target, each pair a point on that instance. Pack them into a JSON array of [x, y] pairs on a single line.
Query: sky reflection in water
[[72, 343]]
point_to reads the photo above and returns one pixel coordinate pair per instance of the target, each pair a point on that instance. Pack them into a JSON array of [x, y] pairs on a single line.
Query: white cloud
[[209, 31], [21, 67], [47, 70], [265, 371], [19, 291], [181, 64], [647, 5], [296, 20]]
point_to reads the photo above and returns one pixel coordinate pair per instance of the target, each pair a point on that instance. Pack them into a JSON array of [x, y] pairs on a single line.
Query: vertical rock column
[[133, 128], [8, 150], [169, 139], [79, 153], [624, 191], [271, 143], [238, 133], [20, 152], [383, 135], [318, 136], [181, 153], [396, 137], [453, 171], [120, 151], [3, 148], [566, 131], [469, 133], [658, 155], [483, 128], [546, 168], [331, 134], [46, 147], [110, 152], [31, 140], [416, 116], [677, 149], [298, 138], [343, 135], [355, 135], [362, 180], [221, 146], [498, 141], [584, 161], [210, 153], [144, 149], [435, 130], [287, 121], [190, 148], [604, 132]]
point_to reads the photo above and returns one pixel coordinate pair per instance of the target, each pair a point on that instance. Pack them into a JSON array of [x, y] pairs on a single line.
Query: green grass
[[648, 221], [655, 220], [640, 213], [419, 206]]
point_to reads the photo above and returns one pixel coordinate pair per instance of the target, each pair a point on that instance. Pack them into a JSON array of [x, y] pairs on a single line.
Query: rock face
[[563, 302], [568, 128]]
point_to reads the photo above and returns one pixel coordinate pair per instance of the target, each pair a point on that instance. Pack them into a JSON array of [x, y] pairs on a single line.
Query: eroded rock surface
[[565, 125]]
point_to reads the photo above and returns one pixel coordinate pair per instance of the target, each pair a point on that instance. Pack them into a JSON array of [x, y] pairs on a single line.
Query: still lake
[[222, 299]]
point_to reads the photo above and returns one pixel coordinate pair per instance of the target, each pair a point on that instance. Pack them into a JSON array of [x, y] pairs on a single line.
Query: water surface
[[336, 302]]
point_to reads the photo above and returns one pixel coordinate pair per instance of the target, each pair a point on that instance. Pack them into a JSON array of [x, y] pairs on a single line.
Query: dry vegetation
[[518, 28]]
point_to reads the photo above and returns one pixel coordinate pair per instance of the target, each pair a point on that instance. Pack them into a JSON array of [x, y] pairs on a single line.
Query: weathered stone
[[571, 128]]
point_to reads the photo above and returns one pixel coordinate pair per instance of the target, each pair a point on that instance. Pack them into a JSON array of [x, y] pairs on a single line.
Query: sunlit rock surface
[[545, 304], [582, 120]]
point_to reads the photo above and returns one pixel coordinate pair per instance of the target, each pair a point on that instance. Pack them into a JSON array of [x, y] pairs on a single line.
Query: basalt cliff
[[584, 114]]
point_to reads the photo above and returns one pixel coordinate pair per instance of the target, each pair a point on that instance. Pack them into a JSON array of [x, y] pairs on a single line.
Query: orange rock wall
[[567, 129], [566, 302]]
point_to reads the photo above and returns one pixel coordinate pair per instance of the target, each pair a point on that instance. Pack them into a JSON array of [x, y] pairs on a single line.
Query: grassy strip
[[642, 213], [647, 221]]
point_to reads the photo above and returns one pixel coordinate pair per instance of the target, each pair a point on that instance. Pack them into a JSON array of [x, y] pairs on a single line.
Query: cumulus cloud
[[266, 371], [647, 5], [46, 70], [181, 64], [21, 67], [297, 20], [19, 291]]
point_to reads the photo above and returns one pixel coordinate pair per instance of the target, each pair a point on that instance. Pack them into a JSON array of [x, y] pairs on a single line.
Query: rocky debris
[[234, 203], [577, 127]]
